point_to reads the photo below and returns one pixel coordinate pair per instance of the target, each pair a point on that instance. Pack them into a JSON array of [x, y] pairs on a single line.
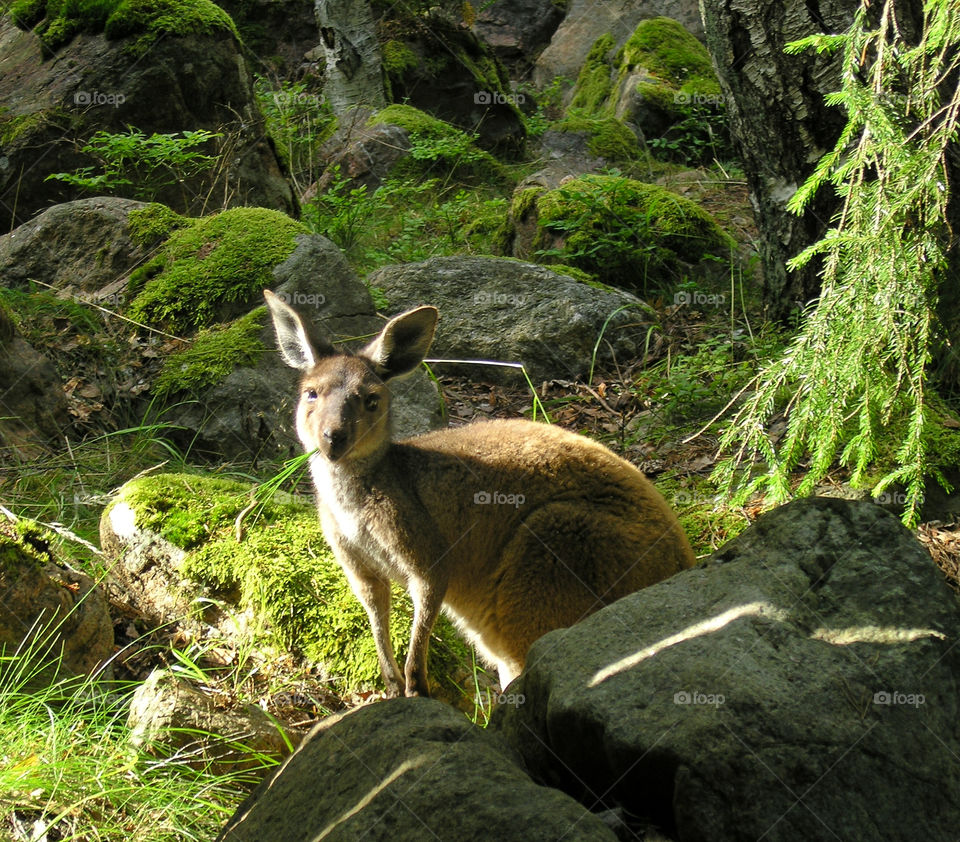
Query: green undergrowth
[[282, 570], [608, 137], [69, 771], [211, 263], [212, 355], [56, 22]]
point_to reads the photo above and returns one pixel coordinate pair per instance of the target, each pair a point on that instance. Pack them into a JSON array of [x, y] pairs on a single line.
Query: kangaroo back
[[514, 528]]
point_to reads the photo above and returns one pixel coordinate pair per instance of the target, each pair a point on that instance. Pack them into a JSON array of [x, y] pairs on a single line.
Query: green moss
[[214, 353], [12, 128], [58, 21], [398, 58], [215, 260], [595, 81], [153, 223], [669, 52], [8, 325], [623, 230], [523, 201], [25, 544], [282, 570], [608, 137], [438, 144]]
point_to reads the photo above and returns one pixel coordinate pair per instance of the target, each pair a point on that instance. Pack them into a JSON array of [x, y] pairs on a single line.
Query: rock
[[169, 716], [801, 685], [362, 155], [53, 97], [33, 408], [250, 412], [634, 235], [50, 611], [406, 769], [507, 310], [517, 32], [77, 246], [587, 20], [276, 33], [443, 69]]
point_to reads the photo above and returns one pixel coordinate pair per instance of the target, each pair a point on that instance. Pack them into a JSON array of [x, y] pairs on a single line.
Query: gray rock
[[517, 32], [53, 613], [77, 247], [587, 20], [169, 716], [802, 685], [50, 105], [406, 769], [250, 413], [507, 310]]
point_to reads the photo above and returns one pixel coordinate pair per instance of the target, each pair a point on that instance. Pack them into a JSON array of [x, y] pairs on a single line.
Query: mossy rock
[[607, 137], [625, 232], [8, 325], [213, 354], [153, 223], [209, 266], [664, 48], [439, 148], [56, 22], [283, 571], [595, 82]]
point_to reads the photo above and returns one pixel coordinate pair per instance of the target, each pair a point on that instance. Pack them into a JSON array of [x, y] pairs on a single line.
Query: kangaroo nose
[[335, 440]]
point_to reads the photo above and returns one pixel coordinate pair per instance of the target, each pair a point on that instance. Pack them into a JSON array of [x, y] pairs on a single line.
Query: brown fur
[[515, 528]]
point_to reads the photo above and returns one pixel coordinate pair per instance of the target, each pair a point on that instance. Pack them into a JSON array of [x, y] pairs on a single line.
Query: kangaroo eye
[[310, 394], [371, 402]]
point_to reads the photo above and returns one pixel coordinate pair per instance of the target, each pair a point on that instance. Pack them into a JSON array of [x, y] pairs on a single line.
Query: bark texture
[[349, 39]]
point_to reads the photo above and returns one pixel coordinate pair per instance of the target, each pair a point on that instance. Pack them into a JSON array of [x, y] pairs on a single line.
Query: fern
[[859, 363]]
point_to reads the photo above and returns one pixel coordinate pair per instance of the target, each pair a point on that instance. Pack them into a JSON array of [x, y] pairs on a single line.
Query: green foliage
[[56, 22], [624, 231], [342, 213], [608, 137], [700, 132], [213, 354], [299, 122], [282, 570], [439, 148], [36, 310], [216, 260], [132, 163], [860, 360]]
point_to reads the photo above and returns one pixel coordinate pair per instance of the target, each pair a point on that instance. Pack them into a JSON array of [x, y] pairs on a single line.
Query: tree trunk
[[349, 38]]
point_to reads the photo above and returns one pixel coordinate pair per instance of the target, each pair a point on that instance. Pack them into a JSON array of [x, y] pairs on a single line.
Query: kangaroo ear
[[403, 343], [293, 340]]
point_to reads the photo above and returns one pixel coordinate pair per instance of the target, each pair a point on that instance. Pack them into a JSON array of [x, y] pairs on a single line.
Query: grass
[[68, 771]]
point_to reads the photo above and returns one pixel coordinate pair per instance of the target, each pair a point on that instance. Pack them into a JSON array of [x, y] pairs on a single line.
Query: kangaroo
[[513, 527]]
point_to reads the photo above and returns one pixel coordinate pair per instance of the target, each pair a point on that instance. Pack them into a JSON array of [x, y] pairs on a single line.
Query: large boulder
[[406, 769], [801, 685], [68, 78], [510, 311], [78, 247], [587, 20]]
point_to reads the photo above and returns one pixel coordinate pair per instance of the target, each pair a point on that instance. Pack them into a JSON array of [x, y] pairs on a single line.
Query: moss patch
[[153, 223], [670, 53], [624, 231], [595, 82], [56, 22], [211, 262], [608, 137], [214, 353], [8, 325], [24, 544], [282, 570], [439, 147]]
